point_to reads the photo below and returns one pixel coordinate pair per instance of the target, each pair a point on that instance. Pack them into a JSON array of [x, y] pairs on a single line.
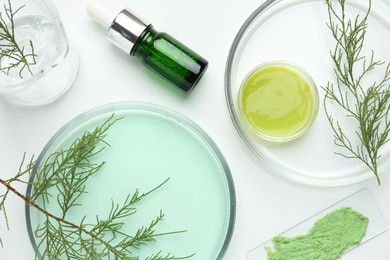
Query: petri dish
[[360, 201], [147, 146], [296, 31], [267, 107]]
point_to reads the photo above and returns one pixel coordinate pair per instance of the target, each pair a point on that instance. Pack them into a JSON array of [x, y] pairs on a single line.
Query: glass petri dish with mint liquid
[[148, 146]]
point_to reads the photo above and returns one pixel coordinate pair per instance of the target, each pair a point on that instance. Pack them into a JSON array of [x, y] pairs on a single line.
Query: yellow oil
[[278, 101]]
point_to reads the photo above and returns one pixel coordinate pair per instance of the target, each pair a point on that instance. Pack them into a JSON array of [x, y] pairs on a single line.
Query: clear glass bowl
[[296, 31], [37, 30], [147, 146]]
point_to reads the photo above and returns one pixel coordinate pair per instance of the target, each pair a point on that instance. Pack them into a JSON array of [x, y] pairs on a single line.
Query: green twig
[[12, 54], [368, 105]]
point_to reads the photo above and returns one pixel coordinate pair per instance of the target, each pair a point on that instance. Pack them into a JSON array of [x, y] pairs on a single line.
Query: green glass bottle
[[158, 51], [169, 58]]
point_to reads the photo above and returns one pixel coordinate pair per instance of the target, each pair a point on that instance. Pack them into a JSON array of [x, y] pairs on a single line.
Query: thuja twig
[[368, 106], [12, 55], [17, 178], [66, 173]]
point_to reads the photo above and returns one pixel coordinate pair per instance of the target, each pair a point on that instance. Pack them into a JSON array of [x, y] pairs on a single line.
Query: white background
[[266, 203]]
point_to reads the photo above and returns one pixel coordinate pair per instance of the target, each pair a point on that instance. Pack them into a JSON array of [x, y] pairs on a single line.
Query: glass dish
[[147, 146], [361, 201], [50, 61], [291, 131], [296, 31]]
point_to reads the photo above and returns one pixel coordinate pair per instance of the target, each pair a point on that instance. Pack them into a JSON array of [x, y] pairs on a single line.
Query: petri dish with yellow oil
[[277, 31]]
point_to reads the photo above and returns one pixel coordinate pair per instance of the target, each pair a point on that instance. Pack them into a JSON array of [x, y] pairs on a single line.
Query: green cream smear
[[328, 239], [279, 101]]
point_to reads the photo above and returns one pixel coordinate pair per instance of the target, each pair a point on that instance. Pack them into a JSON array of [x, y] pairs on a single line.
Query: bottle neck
[[126, 29], [145, 38]]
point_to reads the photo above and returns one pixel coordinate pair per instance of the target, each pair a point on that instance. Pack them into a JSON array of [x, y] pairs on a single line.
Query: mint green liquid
[[146, 149]]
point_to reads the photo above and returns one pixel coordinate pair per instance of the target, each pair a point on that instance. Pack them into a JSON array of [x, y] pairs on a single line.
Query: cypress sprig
[[12, 54], [368, 104]]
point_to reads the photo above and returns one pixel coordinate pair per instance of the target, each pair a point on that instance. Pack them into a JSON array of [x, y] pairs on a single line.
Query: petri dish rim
[[184, 122], [263, 158]]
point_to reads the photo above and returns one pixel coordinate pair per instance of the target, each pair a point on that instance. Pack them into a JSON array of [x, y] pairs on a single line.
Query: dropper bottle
[[158, 51]]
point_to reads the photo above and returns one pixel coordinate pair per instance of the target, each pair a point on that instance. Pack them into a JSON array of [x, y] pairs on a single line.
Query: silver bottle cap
[[126, 29]]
